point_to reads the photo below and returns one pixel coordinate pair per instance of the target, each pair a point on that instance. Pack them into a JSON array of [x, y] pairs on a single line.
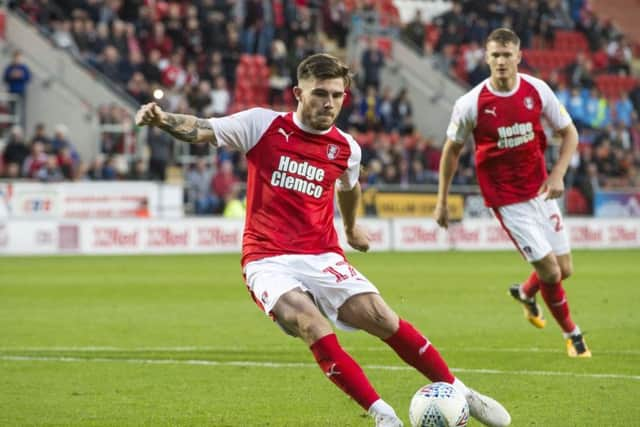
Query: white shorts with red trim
[[328, 278], [535, 227]]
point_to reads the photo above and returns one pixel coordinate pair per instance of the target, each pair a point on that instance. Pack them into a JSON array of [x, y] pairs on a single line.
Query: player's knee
[[551, 275], [566, 271]]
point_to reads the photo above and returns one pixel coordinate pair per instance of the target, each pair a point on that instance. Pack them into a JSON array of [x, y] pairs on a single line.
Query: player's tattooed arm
[[187, 128], [182, 126]]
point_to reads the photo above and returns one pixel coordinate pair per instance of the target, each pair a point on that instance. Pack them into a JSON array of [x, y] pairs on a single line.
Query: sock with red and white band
[[555, 298], [530, 287], [343, 371], [417, 351]]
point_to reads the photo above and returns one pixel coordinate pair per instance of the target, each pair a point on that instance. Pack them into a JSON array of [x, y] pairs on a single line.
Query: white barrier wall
[[80, 200], [219, 235]]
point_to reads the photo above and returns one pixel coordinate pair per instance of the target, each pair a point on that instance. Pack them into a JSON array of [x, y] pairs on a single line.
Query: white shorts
[[535, 227], [328, 278]]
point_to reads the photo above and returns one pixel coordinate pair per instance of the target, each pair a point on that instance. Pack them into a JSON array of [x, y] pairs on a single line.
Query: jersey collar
[[504, 94]]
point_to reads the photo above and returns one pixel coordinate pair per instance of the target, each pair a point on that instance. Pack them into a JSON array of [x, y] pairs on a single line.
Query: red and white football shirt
[[292, 170], [509, 137]]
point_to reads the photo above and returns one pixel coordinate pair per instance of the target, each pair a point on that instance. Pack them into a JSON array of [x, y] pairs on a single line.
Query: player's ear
[[297, 92], [519, 56]]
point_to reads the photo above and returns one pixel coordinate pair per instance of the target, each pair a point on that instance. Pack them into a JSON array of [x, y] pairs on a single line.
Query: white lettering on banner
[[515, 135], [306, 173], [584, 234], [418, 234], [460, 234], [621, 234], [216, 236], [163, 236], [106, 237]]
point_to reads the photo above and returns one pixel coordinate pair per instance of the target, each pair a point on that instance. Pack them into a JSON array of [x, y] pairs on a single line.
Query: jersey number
[[558, 222], [342, 271]]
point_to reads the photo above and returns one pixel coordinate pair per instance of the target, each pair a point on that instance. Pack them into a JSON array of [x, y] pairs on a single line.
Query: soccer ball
[[438, 405]]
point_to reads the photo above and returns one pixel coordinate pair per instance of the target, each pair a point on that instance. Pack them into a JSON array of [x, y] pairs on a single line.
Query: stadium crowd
[[214, 57]]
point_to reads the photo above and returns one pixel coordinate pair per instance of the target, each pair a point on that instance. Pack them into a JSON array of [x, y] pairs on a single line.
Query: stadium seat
[[576, 203]]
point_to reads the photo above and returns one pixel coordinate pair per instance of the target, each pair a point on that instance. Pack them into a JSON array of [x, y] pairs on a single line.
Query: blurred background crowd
[[215, 57]]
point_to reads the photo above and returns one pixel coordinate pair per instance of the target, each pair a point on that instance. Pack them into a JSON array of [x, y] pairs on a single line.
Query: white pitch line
[[186, 349], [278, 365]]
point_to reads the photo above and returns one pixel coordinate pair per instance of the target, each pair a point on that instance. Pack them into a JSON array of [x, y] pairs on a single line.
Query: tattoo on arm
[[186, 128]]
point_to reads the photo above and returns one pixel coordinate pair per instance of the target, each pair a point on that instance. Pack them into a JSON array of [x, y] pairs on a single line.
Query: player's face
[[503, 59], [319, 101]]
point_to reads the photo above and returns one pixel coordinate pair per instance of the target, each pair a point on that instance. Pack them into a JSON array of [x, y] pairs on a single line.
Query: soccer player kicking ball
[[292, 262], [504, 115]]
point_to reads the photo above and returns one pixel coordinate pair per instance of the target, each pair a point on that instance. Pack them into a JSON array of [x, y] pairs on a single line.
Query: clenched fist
[[149, 115]]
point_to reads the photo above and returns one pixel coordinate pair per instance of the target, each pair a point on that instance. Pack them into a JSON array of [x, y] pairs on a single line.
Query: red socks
[[417, 351], [343, 371], [531, 285], [556, 300]]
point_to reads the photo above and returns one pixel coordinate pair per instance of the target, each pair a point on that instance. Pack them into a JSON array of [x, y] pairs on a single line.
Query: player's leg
[[555, 298], [298, 315], [275, 287], [521, 225], [369, 312]]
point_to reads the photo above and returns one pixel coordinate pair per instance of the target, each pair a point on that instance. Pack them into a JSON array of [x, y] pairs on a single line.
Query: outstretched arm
[[448, 167], [348, 202], [181, 126]]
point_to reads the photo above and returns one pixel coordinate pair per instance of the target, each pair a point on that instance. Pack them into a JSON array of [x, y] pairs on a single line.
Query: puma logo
[[332, 371], [491, 111], [285, 134]]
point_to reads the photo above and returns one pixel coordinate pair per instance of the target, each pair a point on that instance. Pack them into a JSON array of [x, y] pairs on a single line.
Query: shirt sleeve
[[242, 131], [461, 122], [350, 176], [552, 108]]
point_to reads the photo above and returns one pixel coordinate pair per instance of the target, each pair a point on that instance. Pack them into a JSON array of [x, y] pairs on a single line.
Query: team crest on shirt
[[528, 102], [528, 250], [332, 151], [264, 297]]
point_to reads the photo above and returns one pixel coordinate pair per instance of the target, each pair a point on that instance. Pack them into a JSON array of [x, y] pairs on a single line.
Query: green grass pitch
[[177, 341]]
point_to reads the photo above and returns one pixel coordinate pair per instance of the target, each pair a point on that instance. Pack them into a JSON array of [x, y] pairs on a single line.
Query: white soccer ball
[[438, 405]]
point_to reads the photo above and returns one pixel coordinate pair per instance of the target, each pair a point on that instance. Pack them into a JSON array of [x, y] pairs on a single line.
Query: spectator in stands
[[624, 109], [40, 134], [138, 171], [279, 78], [199, 97], [111, 65], [414, 31], [160, 147], [198, 186], [596, 110], [16, 150], [17, 76], [220, 99], [50, 171], [370, 109], [580, 72], [403, 112], [372, 62], [67, 163], [224, 181], [34, 161]]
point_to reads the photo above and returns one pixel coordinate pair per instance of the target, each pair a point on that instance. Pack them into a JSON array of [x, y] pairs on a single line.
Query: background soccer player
[[504, 115], [291, 259]]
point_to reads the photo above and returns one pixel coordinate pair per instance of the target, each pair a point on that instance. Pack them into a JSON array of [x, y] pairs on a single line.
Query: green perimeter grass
[[108, 315]]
